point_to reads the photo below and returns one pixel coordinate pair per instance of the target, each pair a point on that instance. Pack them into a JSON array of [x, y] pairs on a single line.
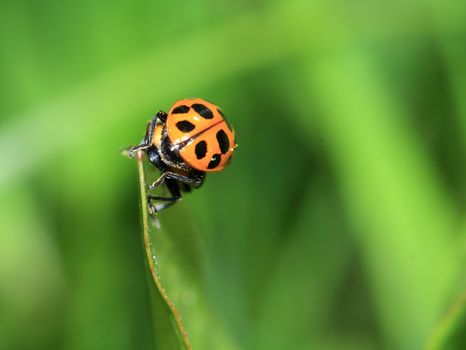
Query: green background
[[340, 223]]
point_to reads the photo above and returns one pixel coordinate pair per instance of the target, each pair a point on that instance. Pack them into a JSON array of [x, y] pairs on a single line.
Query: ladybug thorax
[[198, 130]]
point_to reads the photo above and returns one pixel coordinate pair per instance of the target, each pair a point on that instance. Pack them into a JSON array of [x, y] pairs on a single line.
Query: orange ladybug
[[192, 139]]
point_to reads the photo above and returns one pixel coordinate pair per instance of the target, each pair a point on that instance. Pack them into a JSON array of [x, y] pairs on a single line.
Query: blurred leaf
[[307, 273], [405, 221], [450, 332], [90, 106], [32, 280]]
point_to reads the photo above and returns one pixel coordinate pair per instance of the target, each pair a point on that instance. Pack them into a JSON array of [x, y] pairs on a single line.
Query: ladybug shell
[[206, 140]]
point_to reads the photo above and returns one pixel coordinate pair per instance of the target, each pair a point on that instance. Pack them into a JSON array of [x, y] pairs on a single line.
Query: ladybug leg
[[160, 116], [155, 208], [195, 179], [184, 187], [174, 189]]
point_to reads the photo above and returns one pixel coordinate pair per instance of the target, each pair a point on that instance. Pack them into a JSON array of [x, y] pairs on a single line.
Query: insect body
[[192, 139]]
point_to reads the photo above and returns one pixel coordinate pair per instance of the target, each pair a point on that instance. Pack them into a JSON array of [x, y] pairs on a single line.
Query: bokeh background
[[340, 223]]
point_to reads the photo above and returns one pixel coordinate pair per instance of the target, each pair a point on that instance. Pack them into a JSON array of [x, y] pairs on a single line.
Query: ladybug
[[192, 139]]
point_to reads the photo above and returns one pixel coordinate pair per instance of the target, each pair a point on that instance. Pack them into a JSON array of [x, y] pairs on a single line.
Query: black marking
[[183, 144], [181, 109], [185, 126], [215, 161], [203, 111], [221, 113], [201, 149], [223, 141]]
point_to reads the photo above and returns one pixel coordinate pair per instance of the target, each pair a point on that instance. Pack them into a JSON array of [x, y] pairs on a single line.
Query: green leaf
[[169, 332], [174, 260]]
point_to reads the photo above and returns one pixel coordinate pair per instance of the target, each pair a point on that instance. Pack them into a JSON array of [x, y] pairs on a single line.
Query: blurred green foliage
[[340, 223]]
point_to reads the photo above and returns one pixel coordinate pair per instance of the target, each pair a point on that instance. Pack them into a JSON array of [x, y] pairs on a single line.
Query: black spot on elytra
[[203, 111], [221, 113], [215, 161], [185, 126], [201, 149], [181, 109], [223, 141]]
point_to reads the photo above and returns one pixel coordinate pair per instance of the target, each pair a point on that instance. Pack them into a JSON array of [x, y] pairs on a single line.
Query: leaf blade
[[175, 335]]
